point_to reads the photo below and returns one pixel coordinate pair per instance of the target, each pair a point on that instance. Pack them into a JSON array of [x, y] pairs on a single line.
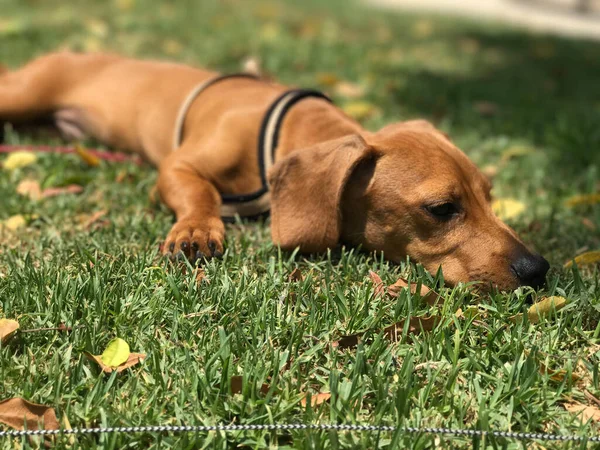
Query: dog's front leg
[[199, 230]]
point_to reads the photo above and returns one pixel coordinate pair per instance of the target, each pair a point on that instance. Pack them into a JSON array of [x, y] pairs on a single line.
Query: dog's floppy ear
[[306, 191]]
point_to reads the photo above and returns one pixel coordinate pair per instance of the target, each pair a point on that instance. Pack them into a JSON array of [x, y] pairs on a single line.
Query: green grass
[[110, 280]]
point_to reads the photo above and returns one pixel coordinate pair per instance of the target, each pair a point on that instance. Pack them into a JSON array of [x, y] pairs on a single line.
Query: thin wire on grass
[[302, 426]]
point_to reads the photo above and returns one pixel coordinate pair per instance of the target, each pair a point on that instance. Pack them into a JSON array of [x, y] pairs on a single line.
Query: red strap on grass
[[106, 156]]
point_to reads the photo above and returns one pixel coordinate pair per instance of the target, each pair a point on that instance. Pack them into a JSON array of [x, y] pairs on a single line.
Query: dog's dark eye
[[443, 210]]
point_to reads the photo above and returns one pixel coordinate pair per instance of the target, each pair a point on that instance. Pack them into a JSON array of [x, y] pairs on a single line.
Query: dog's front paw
[[196, 239]]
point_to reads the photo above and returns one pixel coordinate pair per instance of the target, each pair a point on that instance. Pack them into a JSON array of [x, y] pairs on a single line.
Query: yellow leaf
[[8, 328], [116, 353], [96, 27], [587, 412], [423, 28], [14, 222], [327, 79], [585, 259], [125, 5], [172, 47], [584, 199], [515, 152], [508, 208], [360, 110], [544, 308], [19, 159], [30, 188], [86, 156], [270, 32]]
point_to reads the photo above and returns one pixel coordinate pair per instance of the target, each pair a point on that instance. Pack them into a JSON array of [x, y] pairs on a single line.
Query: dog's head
[[405, 190]]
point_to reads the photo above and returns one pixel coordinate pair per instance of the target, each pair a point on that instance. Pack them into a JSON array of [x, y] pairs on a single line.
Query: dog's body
[[405, 190]]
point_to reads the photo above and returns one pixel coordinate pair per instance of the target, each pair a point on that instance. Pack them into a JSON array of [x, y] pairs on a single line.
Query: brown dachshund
[[404, 190]]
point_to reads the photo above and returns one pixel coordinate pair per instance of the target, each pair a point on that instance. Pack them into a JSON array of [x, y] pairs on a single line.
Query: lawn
[[525, 107]]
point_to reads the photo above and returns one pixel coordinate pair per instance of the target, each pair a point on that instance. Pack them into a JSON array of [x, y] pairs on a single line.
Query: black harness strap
[[269, 139]]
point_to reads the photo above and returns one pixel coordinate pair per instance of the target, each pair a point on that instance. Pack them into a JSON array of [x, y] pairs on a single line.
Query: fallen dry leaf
[[296, 275], [236, 385], [14, 222], [427, 295], [486, 109], [87, 157], [30, 188], [349, 90], [54, 191], [416, 326], [360, 110], [20, 414], [172, 47], [515, 152], [348, 341], [316, 399], [585, 259], [490, 171], [558, 375], [508, 208], [422, 28], [584, 199], [327, 79], [200, 275], [19, 159], [8, 328], [93, 218], [542, 309], [378, 286], [587, 413], [588, 224], [132, 360]]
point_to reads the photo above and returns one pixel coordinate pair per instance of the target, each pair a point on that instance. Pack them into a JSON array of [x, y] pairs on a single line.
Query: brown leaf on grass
[[13, 223], [30, 188], [54, 191], [416, 325], [585, 259], [348, 341], [486, 109], [200, 275], [296, 275], [558, 375], [87, 157], [20, 414], [588, 224], [427, 295], [95, 218], [8, 328], [134, 358], [316, 399], [378, 286], [587, 413], [237, 384]]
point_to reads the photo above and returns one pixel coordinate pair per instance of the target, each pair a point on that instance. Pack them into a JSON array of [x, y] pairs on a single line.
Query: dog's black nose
[[531, 269]]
